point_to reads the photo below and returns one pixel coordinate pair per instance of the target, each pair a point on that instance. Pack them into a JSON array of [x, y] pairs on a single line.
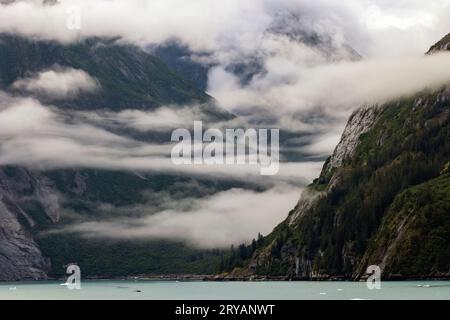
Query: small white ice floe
[[340, 289], [426, 286], [323, 293], [13, 288]]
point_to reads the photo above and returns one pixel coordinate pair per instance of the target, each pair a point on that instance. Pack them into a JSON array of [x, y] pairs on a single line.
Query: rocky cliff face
[[443, 45], [359, 123], [20, 256], [381, 199]]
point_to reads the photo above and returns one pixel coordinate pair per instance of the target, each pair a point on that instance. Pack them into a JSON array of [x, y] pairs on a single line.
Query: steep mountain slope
[[32, 201], [285, 26], [179, 58], [20, 256], [413, 238], [128, 77], [442, 45], [382, 199]]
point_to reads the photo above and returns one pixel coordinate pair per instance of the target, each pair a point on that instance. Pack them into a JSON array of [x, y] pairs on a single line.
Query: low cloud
[[58, 83], [300, 46], [322, 145], [334, 88], [43, 137], [225, 218], [376, 28], [299, 82], [163, 119]]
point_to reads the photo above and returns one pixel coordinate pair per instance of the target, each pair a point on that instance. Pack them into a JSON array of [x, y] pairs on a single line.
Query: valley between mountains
[[382, 198]]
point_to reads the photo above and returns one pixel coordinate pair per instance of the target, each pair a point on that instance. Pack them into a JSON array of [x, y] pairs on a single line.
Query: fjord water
[[185, 290]]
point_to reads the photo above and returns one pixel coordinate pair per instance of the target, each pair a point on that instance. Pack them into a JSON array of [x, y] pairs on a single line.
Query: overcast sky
[[374, 27]]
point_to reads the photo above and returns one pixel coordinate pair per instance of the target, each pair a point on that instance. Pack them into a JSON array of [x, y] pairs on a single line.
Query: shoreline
[[215, 278]]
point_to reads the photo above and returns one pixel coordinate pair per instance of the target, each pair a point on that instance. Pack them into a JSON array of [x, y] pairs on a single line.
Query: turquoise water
[[157, 290]]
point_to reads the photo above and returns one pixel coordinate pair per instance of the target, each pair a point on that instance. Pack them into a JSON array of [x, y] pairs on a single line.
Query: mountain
[[179, 58], [329, 234], [20, 256], [442, 45], [285, 25], [128, 77], [34, 201], [382, 199]]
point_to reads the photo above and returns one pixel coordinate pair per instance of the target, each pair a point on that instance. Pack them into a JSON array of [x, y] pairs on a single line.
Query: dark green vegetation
[[387, 205], [129, 78], [423, 238], [117, 258], [178, 57], [86, 191]]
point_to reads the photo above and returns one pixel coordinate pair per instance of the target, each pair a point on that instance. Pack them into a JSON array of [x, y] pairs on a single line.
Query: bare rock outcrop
[[20, 256]]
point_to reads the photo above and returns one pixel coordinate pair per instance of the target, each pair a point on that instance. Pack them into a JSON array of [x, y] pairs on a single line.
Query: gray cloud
[[58, 82], [228, 217], [43, 137], [269, 31], [298, 84], [376, 27], [162, 119], [337, 88]]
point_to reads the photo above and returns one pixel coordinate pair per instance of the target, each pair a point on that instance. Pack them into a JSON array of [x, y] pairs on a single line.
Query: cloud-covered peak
[[442, 45]]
